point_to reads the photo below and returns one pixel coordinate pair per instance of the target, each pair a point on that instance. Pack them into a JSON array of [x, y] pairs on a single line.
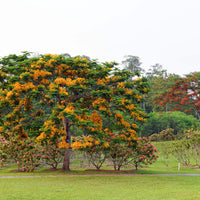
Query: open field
[[140, 186], [99, 188]]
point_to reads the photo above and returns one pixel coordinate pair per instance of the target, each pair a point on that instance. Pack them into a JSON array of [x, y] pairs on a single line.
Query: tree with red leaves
[[185, 94]]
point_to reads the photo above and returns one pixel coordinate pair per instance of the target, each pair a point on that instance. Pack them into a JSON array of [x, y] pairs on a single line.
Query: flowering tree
[[185, 93], [24, 152], [3, 154], [45, 96], [120, 154], [96, 149], [51, 154], [144, 152]]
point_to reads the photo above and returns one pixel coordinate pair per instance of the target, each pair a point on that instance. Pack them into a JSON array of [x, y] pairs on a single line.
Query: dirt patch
[[17, 170], [20, 170], [128, 171], [111, 171], [3, 166], [51, 169], [197, 167]]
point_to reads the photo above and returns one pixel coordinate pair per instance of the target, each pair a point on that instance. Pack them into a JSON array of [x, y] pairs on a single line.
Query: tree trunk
[[66, 162], [197, 113], [136, 166]]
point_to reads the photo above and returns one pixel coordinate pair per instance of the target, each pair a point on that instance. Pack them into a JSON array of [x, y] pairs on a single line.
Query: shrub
[[95, 149], [51, 154], [3, 155], [182, 151], [176, 120], [120, 155], [24, 152], [154, 137], [165, 135], [185, 150], [194, 137], [166, 149], [144, 152]]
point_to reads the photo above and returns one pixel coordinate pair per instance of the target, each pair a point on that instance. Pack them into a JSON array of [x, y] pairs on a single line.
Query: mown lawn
[[142, 187]]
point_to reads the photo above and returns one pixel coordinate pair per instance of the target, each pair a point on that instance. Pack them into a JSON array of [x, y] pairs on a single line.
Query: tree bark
[[196, 110], [66, 161]]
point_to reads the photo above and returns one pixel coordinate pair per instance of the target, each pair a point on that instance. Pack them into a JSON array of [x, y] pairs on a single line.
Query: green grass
[[101, 188], [139, 187], [169, 165]]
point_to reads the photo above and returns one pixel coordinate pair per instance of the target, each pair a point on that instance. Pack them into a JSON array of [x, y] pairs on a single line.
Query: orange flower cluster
[[40, 73], [62, 81], [60, 69], [124, 101], [1, 129], [120, 120], [69, 108], [97, 119], [63, 91], [82, 117], [27, 104], [129, 92], [130, 107], [45, 81], [120, 85], [63, 143], [50, 131], [22, 87], [107, 131], [69, 81], [76, 145], [138, 97], [98, 102], [103, 81], [88, 142], [106, 144]]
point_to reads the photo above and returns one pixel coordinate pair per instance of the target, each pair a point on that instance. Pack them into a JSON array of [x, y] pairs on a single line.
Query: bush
[[165, 135], [95, 149], [154, 137], [194, 137], [51, 154], [176, 120], [3, 155], [120, 155], [182, 151], [144, 152], [185, 150], [24, 152]]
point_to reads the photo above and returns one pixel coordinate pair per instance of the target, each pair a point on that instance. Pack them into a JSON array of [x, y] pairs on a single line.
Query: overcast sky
[[158, 31]]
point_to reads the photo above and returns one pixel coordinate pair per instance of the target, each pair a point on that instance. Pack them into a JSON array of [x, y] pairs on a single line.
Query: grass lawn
[[99, 188], [140, 187]]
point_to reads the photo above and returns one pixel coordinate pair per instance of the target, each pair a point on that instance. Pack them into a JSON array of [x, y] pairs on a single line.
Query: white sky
[[158, 31]]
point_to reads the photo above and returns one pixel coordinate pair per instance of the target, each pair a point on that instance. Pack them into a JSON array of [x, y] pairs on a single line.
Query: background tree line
[[168, 92]]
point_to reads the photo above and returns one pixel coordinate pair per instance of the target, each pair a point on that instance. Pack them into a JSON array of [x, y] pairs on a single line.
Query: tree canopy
[[132, 63], [185, 93], [46, 95]]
